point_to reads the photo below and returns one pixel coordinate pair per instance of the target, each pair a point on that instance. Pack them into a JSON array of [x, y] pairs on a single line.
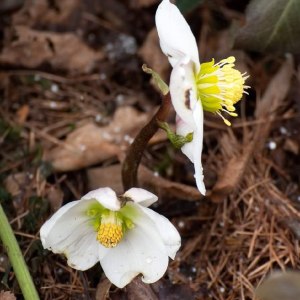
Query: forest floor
[[73, 96]]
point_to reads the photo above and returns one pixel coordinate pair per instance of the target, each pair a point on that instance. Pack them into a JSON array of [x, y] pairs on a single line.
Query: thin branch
[[137, 148]]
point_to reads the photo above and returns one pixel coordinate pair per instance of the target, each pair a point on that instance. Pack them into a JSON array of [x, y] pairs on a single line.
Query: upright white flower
[[195, 87], [121, 232]]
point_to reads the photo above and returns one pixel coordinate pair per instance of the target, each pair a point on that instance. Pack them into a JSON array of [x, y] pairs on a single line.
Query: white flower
[[121, 232], [195, 87]]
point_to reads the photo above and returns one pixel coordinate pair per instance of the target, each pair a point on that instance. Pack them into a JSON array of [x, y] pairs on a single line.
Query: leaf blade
[[271, 26]]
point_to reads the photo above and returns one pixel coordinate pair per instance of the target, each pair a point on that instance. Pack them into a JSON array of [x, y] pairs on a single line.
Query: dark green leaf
[[187, 5], [271, 26]]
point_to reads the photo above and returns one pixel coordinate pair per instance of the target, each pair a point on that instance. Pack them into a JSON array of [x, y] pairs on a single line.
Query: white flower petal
[[48, 225], [193, 150], [84, 252], [197, 146], [137, 253], [141, 196], [182, 84], [183, 128], [175, 35], [70, 231], [105, 196], [166, 230]]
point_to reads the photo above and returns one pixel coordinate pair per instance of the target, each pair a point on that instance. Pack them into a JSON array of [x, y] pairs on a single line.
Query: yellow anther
[[220, 86], [110, 234], [227, 122]]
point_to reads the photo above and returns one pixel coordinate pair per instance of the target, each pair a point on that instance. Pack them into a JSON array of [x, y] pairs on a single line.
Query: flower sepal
[[162, 86], [177, 140]]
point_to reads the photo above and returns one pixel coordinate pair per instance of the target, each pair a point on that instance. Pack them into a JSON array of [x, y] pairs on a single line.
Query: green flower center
[[110, 226]]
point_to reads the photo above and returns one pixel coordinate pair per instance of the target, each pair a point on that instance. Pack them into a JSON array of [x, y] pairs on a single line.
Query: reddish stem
[[137, 148]]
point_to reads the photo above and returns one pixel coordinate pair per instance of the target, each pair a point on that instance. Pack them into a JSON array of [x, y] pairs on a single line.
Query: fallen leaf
[[22, 114], [102, 289], [168, 290], [105, 176], [138, 290], [291, 146], [45, 14], [15, 183], [280, 286], [111, 176], [10, 5], [272, 26], [64, 51], [231, 175], [55, 197], [7, 296], [91, 144], [276, 91]]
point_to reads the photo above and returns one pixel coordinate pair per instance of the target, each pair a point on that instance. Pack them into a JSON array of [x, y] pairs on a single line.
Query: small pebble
[[272, 145], [53, 104], [103, 76], [181, 224], [54, 88], [283, 130], [120, 99], [37, 77], [98, 118]]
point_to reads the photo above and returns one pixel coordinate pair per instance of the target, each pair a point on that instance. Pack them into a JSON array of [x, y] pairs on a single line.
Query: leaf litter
[[67, 117]]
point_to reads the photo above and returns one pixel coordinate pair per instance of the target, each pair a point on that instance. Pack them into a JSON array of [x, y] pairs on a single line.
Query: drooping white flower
[[122, 233], [195, 87]]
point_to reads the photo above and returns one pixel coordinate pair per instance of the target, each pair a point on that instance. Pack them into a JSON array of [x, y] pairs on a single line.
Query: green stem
[[137, 148], [16, 258]]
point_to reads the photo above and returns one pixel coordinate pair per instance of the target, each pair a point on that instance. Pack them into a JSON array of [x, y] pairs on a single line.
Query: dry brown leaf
[[7, 6], [91, 144], [162, 186], [280, 286], [231, 175], [106, 176], [153, 56], [64, 51], [42, 14], [7, 295], [111, 176], [14, 183], [102, 290], [267, 109], [22, 113], [276, 91], [55, 197], [291, 146], [140, 291]]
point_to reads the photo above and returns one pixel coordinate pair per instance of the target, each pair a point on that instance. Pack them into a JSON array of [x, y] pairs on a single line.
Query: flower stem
[[16, 258], [136, 149]]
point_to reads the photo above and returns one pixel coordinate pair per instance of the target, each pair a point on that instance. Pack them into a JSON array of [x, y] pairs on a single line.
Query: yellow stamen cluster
[[220, 86], [110, 234]]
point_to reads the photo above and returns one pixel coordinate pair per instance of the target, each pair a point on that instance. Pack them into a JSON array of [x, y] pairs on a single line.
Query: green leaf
[[186, 6], [271, 25]]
